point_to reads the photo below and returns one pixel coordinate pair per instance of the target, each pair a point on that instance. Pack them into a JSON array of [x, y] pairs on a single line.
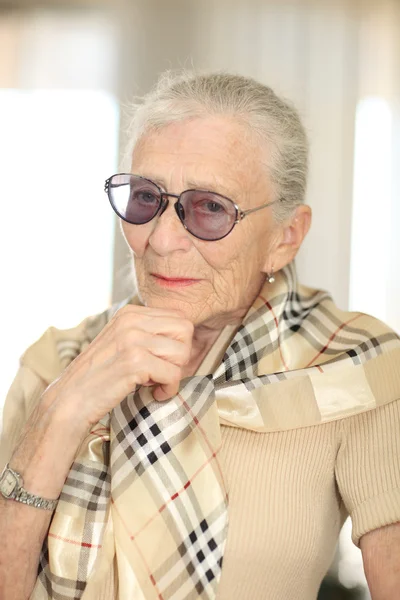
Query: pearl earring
[[270, 277]]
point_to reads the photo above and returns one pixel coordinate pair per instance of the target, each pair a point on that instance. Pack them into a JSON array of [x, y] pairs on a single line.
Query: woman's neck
[[204, 337]]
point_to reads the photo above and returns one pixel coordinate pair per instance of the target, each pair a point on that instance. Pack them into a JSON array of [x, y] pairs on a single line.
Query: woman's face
[[212, 283]]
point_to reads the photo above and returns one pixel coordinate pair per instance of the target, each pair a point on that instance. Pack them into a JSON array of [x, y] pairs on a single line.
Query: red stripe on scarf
[[331, 338], [276, 323], [84, 544]]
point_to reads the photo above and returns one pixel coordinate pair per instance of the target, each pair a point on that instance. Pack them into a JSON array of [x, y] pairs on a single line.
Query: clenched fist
[[139, 346]]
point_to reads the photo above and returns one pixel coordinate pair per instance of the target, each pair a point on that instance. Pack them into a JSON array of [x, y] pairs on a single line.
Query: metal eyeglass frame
[[240, 214]]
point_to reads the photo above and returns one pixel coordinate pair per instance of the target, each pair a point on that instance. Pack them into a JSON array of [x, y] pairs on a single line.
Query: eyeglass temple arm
[[243, 213]]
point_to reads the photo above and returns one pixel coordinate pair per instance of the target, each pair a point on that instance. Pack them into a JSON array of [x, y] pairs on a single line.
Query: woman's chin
[[170, 302]]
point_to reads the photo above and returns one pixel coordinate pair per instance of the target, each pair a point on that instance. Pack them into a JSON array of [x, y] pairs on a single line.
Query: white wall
[[59, 119]]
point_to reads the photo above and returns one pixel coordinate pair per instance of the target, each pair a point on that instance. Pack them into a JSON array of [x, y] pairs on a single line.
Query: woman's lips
[[173, 282]]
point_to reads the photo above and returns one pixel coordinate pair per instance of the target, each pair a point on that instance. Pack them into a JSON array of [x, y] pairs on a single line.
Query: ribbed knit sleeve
[[368, 468]]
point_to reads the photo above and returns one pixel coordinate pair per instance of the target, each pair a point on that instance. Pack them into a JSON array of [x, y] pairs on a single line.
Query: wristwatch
[[11, 488]]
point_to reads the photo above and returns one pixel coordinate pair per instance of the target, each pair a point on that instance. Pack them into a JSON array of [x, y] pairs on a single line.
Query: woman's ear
[[291, 235]]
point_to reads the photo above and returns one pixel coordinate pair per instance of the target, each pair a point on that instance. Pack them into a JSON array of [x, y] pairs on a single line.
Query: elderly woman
[[208, 437]]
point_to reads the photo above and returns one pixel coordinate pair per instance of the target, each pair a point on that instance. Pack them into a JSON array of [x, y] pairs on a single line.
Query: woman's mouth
[[173, 282]]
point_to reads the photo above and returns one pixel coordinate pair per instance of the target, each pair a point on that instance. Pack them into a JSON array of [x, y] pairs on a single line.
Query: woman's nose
[[169, 234]]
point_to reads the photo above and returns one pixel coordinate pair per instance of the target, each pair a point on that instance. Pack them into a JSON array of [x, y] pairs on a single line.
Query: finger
[[168, 323], [147, 311], [164, 392], [108, 384], [172, 327], [134, 314], [149, 368], [174, 351]]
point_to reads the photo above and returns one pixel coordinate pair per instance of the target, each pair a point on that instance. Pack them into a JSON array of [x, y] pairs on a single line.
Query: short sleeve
[[22, 397], [368, 468]]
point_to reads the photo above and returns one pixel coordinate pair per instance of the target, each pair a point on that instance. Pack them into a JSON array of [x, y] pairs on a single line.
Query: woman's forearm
[[22, 531], [43, 457]]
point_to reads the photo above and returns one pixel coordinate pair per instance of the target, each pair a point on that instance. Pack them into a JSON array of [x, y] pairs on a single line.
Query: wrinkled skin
[[217, 154]]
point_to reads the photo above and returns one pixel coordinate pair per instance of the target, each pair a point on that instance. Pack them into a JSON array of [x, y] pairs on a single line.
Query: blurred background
[[68, 71]]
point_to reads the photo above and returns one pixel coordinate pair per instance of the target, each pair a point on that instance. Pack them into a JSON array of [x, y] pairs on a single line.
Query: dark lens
[[135, 199], [207, 215]]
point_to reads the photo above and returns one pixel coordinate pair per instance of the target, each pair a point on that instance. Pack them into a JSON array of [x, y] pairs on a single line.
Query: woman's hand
[[139, 346]]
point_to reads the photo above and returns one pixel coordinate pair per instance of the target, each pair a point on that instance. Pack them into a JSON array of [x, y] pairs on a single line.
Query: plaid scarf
[[147, 488]]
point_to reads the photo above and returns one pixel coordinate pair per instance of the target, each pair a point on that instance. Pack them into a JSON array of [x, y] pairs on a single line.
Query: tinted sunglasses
[[206, 215]]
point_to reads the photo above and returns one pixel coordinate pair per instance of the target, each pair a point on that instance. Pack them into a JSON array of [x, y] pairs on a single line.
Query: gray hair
[[274, 123]]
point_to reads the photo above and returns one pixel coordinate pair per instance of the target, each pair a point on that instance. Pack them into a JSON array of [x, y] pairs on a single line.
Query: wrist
[[47, 450], [12, 488]]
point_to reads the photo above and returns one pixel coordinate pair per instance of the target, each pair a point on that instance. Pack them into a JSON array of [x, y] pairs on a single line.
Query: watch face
[[8, 483]]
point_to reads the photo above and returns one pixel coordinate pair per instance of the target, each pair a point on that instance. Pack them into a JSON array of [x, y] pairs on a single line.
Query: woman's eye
[[209, 207], [146, 197], [214, 207]]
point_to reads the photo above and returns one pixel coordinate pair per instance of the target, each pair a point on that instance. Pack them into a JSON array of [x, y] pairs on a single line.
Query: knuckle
[[127, 308], [127, 340], [133, 378], [120, 313], [137, 355], [119, 322], [121, 345], [189, 326], [131, 337], [176, 374], [183, 356], [123, 314]]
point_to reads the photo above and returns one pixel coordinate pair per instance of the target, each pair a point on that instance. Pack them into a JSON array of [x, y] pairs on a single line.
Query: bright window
[[56, 231], [372, 209]]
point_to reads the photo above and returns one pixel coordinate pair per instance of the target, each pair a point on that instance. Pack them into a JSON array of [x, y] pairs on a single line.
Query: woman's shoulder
[[341, 334], [42, 363], [327, 364], [364, 359], [318, 299]]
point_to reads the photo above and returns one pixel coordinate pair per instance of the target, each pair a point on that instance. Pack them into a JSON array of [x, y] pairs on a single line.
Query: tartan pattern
[[93, 483], [144, 434], [157, 477]]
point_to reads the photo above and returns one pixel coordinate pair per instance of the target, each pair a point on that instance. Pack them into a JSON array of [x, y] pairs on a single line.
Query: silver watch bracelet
[[36, 501]]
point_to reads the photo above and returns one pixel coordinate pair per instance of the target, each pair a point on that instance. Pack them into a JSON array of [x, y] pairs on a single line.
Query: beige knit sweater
[[290, 492]]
